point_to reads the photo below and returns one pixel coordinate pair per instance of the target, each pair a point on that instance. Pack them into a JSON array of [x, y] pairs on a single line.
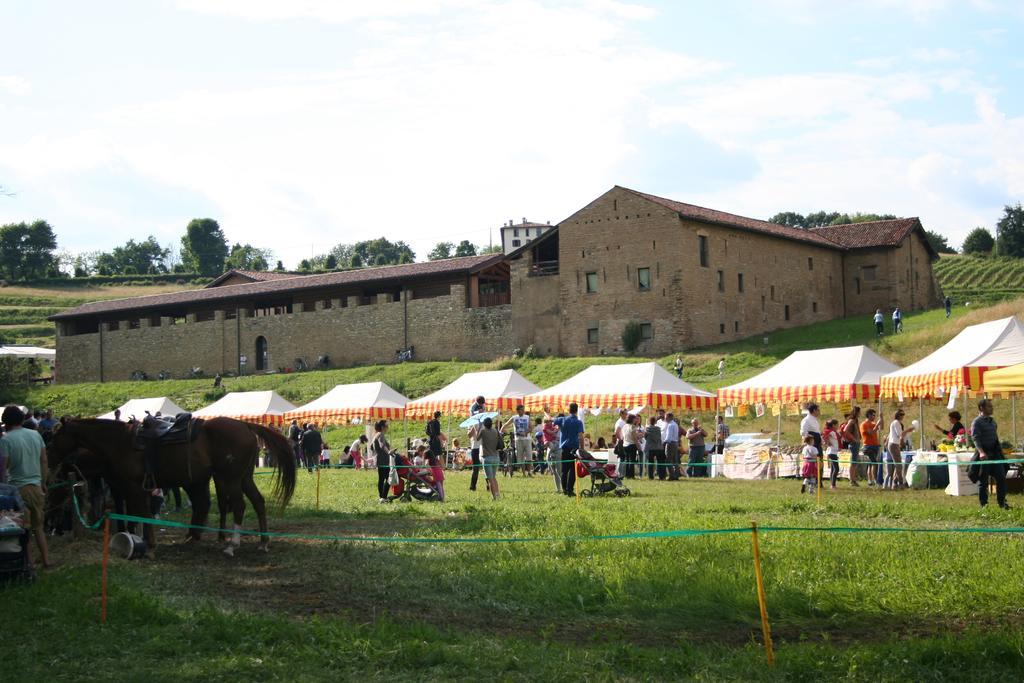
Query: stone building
[[691, 276], [687, 275], [455, 308]]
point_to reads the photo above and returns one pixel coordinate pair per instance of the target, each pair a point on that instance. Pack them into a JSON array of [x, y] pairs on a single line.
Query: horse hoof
[[229, 551]]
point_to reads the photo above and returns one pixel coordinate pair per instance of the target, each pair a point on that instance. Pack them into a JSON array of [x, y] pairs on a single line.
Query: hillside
[[924, 332], [980, 280], [24, 310]]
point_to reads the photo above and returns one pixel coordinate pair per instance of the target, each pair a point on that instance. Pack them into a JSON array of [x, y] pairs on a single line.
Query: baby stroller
[[14, 560], [603, 478], [411, 483]]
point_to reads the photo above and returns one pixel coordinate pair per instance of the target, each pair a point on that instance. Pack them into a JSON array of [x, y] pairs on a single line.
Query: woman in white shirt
[[894, 452]]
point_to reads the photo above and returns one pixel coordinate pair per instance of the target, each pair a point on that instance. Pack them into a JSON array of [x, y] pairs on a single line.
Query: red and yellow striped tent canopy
[[345, 402], [263, 407], [623, 386], [960, 364], [502, 390], [839, 375]]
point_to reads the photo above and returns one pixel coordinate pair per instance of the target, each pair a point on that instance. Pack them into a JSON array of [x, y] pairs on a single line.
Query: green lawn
[[870, 606]]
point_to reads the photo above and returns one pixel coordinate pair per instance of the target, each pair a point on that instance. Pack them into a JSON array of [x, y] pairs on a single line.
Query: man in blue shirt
[[670, 437], [570, 428]]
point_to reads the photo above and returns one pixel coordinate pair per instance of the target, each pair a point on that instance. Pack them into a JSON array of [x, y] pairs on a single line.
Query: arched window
[[262, 355]]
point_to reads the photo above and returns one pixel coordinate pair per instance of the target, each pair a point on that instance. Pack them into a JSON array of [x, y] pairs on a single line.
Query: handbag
[[974, 469]]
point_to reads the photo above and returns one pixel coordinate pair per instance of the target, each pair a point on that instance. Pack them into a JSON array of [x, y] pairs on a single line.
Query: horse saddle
[[155, 431]]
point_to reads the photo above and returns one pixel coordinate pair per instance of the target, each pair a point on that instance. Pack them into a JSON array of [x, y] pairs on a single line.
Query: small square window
[[814, 307], [739, 281], [515, 232], [721, 281], [810, 263], [515, 243], [787, 312], [591, 283], [592, 335], [856, 284], [721, 328], [773, 293], [643, 279], [736, 326], [703, 250], [646, 331]]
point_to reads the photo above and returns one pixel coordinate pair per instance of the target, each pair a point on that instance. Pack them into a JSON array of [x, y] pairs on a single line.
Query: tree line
[[1008, 241]]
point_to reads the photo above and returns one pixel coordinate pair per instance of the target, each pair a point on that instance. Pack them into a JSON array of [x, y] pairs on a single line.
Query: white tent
[[962, 363], [622, 386], [502, 389], [37, 352], [347, 401], [138, 407], [849, 373], [253, 406]]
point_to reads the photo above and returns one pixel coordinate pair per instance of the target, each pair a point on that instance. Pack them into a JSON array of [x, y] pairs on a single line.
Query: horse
[[223, 449]]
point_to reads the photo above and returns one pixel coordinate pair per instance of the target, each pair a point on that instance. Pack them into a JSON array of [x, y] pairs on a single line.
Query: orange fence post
[[103, 580], [761, 600]]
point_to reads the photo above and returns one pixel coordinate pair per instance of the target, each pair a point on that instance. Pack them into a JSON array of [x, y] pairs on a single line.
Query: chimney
[[524, 220]]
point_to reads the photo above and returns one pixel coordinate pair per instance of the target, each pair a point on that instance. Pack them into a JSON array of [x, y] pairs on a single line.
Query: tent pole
[[920, 424], [1013, 414]]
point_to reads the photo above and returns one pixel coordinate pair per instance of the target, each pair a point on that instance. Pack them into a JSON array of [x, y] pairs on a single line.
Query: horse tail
[[284, 461]]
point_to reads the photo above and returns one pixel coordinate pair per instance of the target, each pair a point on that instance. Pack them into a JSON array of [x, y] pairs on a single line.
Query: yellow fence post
[[761, 600]]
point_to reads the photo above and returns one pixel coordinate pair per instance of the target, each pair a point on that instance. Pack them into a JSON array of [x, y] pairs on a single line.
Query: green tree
[[133, 257], [331, 262], [493, 249], [248, 257], [632, 335], [279, 266], [204, 248], [465, 248], [27, 250], [978, 242], [305, 266], [377, 252], [440, 251], [356, 261], [790, 218], [940, 243], [1010, 232]]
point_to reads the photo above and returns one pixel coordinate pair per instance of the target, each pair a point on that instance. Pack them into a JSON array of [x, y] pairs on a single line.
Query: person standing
[[382, 452], [474, 441], [986, 443], [894, 452], [549, 435], [721, 368], [312, 445], [434, 435], [294, 436], [810, 426], [879, 322], [869, 430], [521, 425], [490, 443], [698, 451], [24, 458], [956, 427], [630, 447], [654, 451], [831, 438], [678, 367], [722, 433], [619, 446], [670, 441], [897, 320], [569, 429], [947, 303], [850, 433]]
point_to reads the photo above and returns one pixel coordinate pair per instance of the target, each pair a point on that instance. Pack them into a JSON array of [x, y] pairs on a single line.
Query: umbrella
[[477, 419]]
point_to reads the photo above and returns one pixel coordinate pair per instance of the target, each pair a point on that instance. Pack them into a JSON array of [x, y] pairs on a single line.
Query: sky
[[299, 125]]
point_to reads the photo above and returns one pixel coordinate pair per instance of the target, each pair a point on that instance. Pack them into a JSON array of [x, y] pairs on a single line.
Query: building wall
[[621, 232], [440, 328], [903, 277], [536, 312]]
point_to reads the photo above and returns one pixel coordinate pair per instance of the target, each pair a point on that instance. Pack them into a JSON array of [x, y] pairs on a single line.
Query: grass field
[[865, 607]]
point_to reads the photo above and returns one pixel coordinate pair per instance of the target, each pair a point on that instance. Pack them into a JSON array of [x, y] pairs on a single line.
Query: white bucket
[[129, 546]]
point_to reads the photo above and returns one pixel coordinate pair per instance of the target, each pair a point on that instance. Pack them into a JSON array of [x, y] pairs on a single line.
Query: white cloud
[[14, 85]]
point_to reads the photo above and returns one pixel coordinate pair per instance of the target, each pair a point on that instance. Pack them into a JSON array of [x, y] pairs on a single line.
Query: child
[[810, 469], [437, 471], [830, 437], [419, 461]]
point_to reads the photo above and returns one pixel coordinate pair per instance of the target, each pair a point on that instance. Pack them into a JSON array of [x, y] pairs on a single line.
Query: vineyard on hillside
[[980, 279]]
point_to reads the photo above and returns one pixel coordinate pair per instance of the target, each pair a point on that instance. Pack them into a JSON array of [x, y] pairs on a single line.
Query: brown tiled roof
[[298, 283], [889, 233], [699, 213], [253, 275]]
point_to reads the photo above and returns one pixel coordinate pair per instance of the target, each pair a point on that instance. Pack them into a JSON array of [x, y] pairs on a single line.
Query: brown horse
[[224, 449]]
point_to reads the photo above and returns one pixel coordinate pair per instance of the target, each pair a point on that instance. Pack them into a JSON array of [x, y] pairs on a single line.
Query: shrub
[[631, 337]]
